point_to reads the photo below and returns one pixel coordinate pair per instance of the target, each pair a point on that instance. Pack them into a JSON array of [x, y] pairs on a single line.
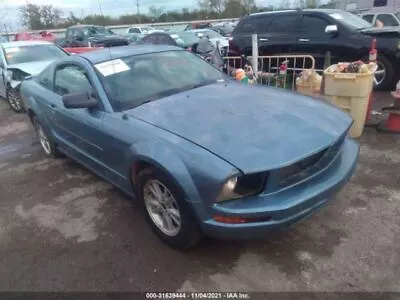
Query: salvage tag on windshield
[[112, 67]]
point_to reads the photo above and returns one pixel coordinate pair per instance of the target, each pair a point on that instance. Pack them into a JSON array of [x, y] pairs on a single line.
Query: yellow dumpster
[[348, 87]]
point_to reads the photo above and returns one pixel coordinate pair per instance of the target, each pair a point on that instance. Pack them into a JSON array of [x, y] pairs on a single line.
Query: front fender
[[168, 161], [198, 173]]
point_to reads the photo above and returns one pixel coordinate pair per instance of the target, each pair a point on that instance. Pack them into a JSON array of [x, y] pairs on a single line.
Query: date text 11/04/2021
[[198, 295]]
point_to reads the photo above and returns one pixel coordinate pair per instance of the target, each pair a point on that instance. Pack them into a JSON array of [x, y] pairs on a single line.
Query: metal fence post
[[254, 44]]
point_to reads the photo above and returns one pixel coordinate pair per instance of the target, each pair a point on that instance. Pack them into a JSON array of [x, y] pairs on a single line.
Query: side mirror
[[331, 29], [79, 100]]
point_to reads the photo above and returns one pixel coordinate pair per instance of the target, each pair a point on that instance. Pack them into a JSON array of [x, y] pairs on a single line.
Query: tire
[[188, 234], [48, 146], [386, 67], [14, 100]]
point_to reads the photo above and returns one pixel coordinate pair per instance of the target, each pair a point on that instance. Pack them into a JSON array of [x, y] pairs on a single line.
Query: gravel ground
[[64, 229]]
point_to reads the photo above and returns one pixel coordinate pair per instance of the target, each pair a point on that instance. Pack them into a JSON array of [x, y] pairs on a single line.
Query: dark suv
[[316, 31]]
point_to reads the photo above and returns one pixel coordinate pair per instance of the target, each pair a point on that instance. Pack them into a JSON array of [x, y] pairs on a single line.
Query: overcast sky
[[9, 8]]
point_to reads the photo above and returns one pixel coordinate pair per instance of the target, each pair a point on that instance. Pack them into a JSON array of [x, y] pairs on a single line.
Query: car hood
[[32, 68], [253, 128]]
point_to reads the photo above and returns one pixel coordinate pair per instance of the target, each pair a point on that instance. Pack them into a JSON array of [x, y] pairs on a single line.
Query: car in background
[[133, 37], [198, 25], [184, 39], [82, 36], [172, 131], [315, 32], [142, 30], [21, 59], [386, 15], [214, 37], [224, 29]]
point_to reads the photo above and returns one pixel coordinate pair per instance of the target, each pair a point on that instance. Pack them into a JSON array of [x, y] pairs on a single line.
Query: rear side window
[[284, 23], [257, 24], [134, 30], [387, 20], [368, 18]]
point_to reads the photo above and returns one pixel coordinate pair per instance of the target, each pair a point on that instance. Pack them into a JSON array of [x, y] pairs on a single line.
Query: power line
[[101, 10]]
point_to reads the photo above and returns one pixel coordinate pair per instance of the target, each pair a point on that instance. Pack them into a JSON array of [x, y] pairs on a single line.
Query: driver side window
[[71, 79]]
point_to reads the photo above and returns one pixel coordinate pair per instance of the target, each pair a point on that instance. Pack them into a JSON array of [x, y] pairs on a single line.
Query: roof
[[110, 53], [324, 10], [383, 9], [25, 43]]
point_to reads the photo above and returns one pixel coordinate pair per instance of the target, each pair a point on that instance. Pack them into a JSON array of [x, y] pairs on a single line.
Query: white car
[[387, 16], [21, 59], [213, 36], [142, 30]]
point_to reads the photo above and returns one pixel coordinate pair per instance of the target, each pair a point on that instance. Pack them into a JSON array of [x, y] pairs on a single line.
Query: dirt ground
[[64, 229]]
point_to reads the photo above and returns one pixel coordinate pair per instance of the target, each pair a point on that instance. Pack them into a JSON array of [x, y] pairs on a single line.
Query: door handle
[[304, 40], [263, 40]]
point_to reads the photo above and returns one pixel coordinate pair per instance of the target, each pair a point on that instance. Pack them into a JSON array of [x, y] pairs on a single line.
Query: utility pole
[[138, 10], [101, 11]]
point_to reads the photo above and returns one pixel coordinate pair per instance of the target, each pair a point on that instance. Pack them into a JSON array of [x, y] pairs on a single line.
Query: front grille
[[307, 167]]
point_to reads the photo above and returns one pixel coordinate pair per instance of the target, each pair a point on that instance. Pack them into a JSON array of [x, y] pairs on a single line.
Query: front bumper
[[284, 207]]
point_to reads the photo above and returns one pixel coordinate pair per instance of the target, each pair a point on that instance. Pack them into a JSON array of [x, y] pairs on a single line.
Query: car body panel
[[199, 139]]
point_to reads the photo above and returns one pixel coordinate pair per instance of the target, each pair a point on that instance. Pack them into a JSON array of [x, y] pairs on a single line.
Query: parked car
[[92, 36], [198, 25], [316, 31], [214, 37], [386, 15], [184, 39], [21, 59], [174, 132], [133, 37], [224, 29], [142, 30]]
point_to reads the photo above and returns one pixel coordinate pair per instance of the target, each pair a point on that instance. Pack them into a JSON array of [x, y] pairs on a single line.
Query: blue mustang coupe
[[203, 154]]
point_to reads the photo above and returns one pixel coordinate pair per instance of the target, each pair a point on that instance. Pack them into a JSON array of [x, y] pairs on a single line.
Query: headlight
[[9, 75], [242, 186]]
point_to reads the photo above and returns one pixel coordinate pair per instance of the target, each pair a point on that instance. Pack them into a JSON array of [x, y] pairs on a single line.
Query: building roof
[[110, 53]]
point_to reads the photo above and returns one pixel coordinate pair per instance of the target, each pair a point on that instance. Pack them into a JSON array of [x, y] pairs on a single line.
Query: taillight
[[189, 49]]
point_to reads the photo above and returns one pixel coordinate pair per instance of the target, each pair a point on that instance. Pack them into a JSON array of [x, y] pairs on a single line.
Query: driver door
[[78, 129]]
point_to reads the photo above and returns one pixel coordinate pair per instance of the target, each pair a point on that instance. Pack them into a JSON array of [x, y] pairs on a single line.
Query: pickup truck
[[91, 36]]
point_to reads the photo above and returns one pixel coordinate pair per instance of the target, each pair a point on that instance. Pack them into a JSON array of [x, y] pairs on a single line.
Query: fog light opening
[[239, 220]]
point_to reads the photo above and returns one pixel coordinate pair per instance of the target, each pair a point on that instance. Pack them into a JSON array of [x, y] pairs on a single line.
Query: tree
[[217, 6], [50, 16], [155, 12], [234, 8], [31, 16]]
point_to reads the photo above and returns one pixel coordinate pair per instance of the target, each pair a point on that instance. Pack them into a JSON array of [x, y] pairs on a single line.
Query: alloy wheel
[[44, 140], [380, 74], [14, 100], [162, 207]]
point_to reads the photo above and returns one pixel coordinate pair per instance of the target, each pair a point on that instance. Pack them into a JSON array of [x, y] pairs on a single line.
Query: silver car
[[21, 59]]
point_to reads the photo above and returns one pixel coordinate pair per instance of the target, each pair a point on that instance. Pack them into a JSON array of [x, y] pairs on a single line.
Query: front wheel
[[166, 210], [383, 77], [14, 100], [47, 145]]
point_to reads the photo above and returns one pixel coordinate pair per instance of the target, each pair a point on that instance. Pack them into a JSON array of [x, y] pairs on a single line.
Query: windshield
[[134, 80], [397, 14], [350, 20], [185, 38], [97, 30], [30, 53]]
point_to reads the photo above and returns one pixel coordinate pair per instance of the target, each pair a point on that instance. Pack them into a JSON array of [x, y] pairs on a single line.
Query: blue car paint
[[202, 137]]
